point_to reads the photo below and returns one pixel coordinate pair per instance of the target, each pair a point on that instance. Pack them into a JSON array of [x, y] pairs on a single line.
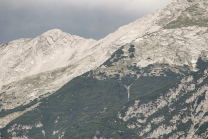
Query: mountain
[[141, 81], [55, 57]]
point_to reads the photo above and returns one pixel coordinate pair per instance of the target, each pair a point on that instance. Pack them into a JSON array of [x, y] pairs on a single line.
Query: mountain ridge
[[89, 56], [157, 49]]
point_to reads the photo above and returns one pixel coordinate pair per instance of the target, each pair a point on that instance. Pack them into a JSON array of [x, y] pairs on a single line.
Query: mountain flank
[[146, 80], [62, 56]]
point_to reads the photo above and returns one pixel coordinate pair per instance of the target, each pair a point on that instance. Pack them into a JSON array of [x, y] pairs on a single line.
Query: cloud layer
[[86, 18]]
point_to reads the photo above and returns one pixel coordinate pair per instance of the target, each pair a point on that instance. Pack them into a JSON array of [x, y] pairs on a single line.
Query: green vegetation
[[85, 105], [128, 79], [184, 126], [201, 63], [119, 52], [76, 103], [165, 111], [110, 125], [144, 85], [20, 108], [131, 55], [131, 49], [202, 128], [115, 57], [192, 16]]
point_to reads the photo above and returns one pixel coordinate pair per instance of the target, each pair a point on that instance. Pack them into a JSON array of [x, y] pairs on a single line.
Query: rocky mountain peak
[[180, 1], [53, 34], [27, 57], [54, 31], [183, 1], [196, 0]]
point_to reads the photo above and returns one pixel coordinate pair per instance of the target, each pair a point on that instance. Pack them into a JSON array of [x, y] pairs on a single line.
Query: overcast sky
[[86, 18]]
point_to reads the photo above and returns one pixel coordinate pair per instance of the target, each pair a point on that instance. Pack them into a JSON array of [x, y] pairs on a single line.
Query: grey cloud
[[28, 19]]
